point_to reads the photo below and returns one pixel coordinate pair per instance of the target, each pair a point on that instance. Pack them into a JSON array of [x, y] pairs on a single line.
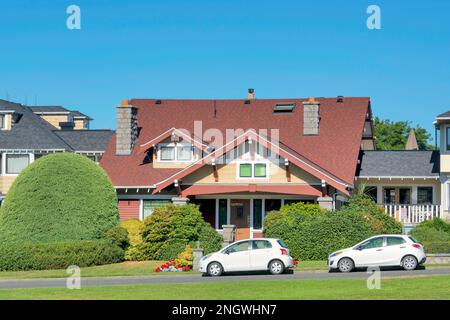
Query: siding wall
[[54, 120], [5, 183], [129, 209]]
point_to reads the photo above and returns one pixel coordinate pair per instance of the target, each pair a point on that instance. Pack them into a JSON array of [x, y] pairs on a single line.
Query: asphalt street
[[197, 278]]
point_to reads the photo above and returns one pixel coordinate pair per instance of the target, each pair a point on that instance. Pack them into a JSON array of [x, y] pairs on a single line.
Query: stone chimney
[[311, 117], [127, 129], [251, 94]]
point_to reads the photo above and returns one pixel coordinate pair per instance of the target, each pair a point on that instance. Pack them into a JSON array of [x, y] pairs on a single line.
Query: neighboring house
[[287, 150], [27, 133]]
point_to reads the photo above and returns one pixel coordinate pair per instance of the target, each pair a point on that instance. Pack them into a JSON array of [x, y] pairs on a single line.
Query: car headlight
[[205, 257], [335, 254]]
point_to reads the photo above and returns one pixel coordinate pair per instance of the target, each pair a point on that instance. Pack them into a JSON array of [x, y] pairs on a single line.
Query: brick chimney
[[127, 129], [251, 94], [311, 117]]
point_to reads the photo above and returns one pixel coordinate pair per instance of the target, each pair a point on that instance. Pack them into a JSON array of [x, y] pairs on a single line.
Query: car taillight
[[417, 246], [284, 252]]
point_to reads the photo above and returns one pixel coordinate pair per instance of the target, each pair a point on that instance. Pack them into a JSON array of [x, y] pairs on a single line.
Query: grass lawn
[[124, 269], [435, 287]]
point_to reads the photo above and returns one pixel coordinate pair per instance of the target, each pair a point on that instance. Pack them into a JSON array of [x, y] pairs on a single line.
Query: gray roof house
[[27, 133]]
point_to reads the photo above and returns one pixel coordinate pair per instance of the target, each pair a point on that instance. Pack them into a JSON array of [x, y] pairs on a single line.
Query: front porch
[[413, 214], [246, 212]]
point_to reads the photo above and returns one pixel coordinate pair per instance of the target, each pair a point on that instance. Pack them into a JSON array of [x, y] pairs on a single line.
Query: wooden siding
[[6, 183], [54, 120], [129, 209]]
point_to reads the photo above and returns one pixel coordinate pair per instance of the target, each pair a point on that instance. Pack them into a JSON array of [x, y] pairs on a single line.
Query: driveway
[[197, 278]]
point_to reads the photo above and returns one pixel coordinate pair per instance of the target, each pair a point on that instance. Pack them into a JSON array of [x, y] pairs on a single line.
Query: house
[[27, 133], [237, 159]]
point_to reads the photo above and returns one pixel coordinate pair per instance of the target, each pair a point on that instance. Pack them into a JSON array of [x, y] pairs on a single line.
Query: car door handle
[[379, 249], [402, 247]]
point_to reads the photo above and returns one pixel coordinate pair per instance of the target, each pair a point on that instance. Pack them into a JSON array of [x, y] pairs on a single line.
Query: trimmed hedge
[[59, 197], [434, 235], [312, 233], [136, 250], [43, 256], [170, 228]]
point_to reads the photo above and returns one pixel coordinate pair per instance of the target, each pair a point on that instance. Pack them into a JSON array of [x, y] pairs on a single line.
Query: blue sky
[[218, 49]]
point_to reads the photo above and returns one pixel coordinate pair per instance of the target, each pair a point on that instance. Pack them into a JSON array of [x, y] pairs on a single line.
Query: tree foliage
[[392, 135]]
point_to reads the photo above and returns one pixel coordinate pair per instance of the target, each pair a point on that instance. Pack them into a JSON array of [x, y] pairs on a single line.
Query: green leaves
[[391, 135]]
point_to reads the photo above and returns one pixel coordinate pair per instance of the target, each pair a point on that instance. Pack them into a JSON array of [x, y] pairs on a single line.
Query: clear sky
[[218, 49]]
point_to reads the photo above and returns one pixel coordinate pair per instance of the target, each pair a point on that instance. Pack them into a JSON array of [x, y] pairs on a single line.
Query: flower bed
[[173, 266]]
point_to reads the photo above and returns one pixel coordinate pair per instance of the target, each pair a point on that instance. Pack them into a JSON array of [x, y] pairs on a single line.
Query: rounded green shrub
[[134, 228], [59, 197], [210, 240], [43, 256], [170, 228], [434, 235], [119, 236]]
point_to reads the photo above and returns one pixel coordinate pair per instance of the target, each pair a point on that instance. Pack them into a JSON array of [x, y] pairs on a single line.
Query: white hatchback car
[[379, 251], [248, 255]]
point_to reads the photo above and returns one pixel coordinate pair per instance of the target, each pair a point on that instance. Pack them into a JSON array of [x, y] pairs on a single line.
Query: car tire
[[276, 267], [215, 269], [346, 265], [409, 263]]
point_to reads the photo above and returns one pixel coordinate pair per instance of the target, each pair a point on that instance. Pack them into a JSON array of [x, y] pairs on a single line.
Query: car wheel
[[345, 265], [409, 263], [215, 269], [276, 267]]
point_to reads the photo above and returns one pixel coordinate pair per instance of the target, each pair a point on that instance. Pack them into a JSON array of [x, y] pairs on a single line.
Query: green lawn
[[406, 288], [124, 269]]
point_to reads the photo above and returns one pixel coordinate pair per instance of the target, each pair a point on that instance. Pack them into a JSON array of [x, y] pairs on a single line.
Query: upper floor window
[[175, 153], [15, 163], [253, 170], [447, 131], [2, 121]]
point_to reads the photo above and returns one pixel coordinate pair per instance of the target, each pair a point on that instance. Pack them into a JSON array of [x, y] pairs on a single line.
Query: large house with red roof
[[239, 159]]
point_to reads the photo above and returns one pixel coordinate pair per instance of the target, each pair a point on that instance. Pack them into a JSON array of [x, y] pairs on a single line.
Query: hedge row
[[43, 256], [434, 235]]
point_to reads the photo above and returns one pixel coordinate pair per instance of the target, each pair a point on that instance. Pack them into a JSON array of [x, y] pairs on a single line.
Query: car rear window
[[282, 244], [413, 240]]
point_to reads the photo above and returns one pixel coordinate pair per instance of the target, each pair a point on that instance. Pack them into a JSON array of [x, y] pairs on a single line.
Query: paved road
[[193, 278]]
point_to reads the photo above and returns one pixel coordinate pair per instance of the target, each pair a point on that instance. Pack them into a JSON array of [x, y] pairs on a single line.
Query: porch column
[[379, 194], [325, 202], [180, 201]]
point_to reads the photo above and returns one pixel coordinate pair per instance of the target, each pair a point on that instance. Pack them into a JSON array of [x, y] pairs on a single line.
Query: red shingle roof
[[335, 149]]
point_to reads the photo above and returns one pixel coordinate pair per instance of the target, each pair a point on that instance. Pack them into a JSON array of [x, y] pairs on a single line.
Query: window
[[372, 192], [2, 121], [424, 195], [167, 153], [245, 170], [257, 214], [239, 247], [372, 243], [253, 170], [223, 209], [394, 241], [175, 153], [272, 204], [261, 244], [389, 196], [448, 140], [150, 205], [15, 163], [405, 196], [260, 170]]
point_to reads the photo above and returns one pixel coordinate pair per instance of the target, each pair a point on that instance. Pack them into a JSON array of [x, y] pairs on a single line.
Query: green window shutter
[[257, 214], [223, 208], [245, 170], [260, 170]]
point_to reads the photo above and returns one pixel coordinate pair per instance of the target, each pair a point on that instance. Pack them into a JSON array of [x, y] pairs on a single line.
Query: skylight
[[283, 107]]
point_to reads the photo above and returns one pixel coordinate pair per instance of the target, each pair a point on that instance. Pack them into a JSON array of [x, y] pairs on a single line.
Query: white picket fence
[[413, 213]]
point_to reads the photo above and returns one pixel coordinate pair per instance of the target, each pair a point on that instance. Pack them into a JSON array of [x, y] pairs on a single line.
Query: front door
[[240, 217]]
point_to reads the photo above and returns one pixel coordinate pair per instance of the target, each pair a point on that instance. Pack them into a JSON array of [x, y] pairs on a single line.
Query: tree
[[391, 135], [60, 197]]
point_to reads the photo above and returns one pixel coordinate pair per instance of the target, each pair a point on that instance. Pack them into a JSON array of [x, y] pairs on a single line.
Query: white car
[[248, 255], [379, 251]]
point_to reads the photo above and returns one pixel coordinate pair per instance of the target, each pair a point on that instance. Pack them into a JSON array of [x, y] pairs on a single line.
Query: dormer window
[[175, 153], [2, 122], [448, 138]]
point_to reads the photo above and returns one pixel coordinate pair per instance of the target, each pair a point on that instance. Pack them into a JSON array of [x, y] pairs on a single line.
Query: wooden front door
[[240, 217]]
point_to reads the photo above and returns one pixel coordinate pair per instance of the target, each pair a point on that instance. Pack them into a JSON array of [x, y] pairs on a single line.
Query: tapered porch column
[[325, 202]]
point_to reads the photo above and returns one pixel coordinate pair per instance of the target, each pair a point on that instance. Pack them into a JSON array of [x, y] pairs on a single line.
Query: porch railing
[[413, 213]]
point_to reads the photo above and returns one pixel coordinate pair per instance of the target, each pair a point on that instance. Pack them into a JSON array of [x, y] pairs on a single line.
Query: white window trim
[[252, 163], [6, 121], [175, 155], [3, 164]]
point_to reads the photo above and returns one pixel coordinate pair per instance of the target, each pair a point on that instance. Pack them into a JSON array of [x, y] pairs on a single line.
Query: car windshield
[[282, 244]]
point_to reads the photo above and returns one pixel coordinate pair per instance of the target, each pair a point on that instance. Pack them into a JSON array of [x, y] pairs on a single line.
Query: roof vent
[[251, 94], [340, 99], [247, 101], [283, 108], [158, 101]]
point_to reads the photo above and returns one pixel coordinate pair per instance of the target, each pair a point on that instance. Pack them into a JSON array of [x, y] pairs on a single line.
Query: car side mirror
[[226, 252], [358, 248]]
